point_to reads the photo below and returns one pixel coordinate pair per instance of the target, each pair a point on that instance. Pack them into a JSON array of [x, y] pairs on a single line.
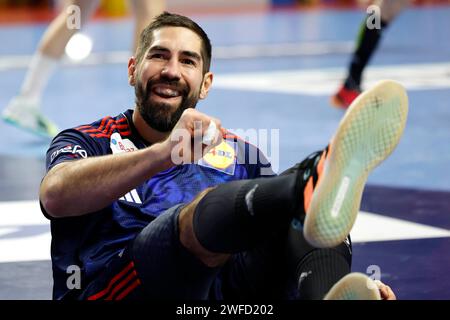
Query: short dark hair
[[167, 19]]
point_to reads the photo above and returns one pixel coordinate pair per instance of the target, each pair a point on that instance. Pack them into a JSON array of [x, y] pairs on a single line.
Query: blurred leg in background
[[367, 42], [24, 110]]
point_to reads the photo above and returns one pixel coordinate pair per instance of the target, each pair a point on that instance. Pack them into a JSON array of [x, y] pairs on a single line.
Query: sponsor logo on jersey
[[222, 157], [119, 145], [75, 150]]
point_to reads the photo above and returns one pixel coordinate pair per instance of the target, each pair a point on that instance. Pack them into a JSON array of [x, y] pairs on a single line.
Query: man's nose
[[171, 70]]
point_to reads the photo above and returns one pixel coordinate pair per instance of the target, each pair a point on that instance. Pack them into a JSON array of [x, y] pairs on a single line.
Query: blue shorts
[[157, 266]]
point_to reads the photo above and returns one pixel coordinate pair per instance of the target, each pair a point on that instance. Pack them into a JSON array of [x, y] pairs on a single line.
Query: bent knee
[[189, 240]]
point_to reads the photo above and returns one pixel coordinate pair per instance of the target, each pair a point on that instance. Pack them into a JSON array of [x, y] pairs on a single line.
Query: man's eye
[[188, 61], [157, 56]]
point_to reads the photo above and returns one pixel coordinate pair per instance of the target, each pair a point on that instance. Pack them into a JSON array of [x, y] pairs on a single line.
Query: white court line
[[13, 216], [21, 213], [423, 76], [9, 62], [33, 248], [323, 81], [369, 227], [6, 231]]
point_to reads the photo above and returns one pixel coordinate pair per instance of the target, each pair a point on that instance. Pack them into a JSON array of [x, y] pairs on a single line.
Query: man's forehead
[[176, 38]]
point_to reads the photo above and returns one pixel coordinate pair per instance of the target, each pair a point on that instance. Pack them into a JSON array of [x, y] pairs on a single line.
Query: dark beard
[[159, 115]]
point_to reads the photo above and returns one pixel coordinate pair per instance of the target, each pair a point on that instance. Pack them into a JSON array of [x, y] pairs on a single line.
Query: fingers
[[198, 133], [213, 132], [385, 291], [213, 135], [197, 123], [209, 144], [210, 133]]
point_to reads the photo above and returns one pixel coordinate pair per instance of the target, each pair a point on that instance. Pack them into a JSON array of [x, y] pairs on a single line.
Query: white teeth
[[167, 92]]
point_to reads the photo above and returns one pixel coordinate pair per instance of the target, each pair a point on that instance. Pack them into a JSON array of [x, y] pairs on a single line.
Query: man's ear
[[206, 85], [132, 71]]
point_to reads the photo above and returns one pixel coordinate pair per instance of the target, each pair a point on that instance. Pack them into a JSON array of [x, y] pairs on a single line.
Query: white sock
[[39, 71]]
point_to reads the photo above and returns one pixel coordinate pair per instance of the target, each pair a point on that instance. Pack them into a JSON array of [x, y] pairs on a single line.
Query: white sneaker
[[354, 286], [367, 134], [24, 113]]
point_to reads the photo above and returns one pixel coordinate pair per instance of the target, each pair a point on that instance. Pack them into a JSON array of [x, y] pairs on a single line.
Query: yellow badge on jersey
[[222, 158]]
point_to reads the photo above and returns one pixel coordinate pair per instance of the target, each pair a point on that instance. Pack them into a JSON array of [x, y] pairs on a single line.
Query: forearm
[[87, 185]]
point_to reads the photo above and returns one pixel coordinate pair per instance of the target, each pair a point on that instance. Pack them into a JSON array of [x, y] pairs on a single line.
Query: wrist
[[164, 153]]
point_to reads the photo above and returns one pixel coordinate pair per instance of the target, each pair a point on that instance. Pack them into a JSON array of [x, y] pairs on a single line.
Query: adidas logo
[[132, 197]]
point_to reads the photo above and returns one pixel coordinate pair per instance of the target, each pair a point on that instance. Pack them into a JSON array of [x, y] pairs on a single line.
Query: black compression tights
[[235, 216], [315, 270], [239, 215]]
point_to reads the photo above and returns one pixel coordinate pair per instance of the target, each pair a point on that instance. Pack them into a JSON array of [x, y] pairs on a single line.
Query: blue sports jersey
[[90, 241]]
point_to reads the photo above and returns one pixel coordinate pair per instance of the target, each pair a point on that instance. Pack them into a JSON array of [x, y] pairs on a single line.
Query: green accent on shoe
[[45, 127]]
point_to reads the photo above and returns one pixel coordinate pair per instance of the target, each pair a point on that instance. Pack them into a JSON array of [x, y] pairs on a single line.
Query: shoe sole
[[354, 286], [17, 124], [367, 134]]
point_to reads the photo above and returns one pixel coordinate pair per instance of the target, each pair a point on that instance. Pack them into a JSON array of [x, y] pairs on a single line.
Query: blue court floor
[[274, 72]]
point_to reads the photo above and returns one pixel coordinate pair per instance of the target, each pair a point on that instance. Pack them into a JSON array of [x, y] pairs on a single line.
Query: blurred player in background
[[24, 110], [367, 42]]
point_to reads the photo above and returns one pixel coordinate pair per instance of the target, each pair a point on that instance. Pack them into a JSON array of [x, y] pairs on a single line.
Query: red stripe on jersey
[[105, 131], [100, 128], [123, 283], [112, 282], [125, 292]]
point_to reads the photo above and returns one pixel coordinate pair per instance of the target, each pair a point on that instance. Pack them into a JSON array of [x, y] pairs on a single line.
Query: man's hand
[[186, 142], [385, 291]]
